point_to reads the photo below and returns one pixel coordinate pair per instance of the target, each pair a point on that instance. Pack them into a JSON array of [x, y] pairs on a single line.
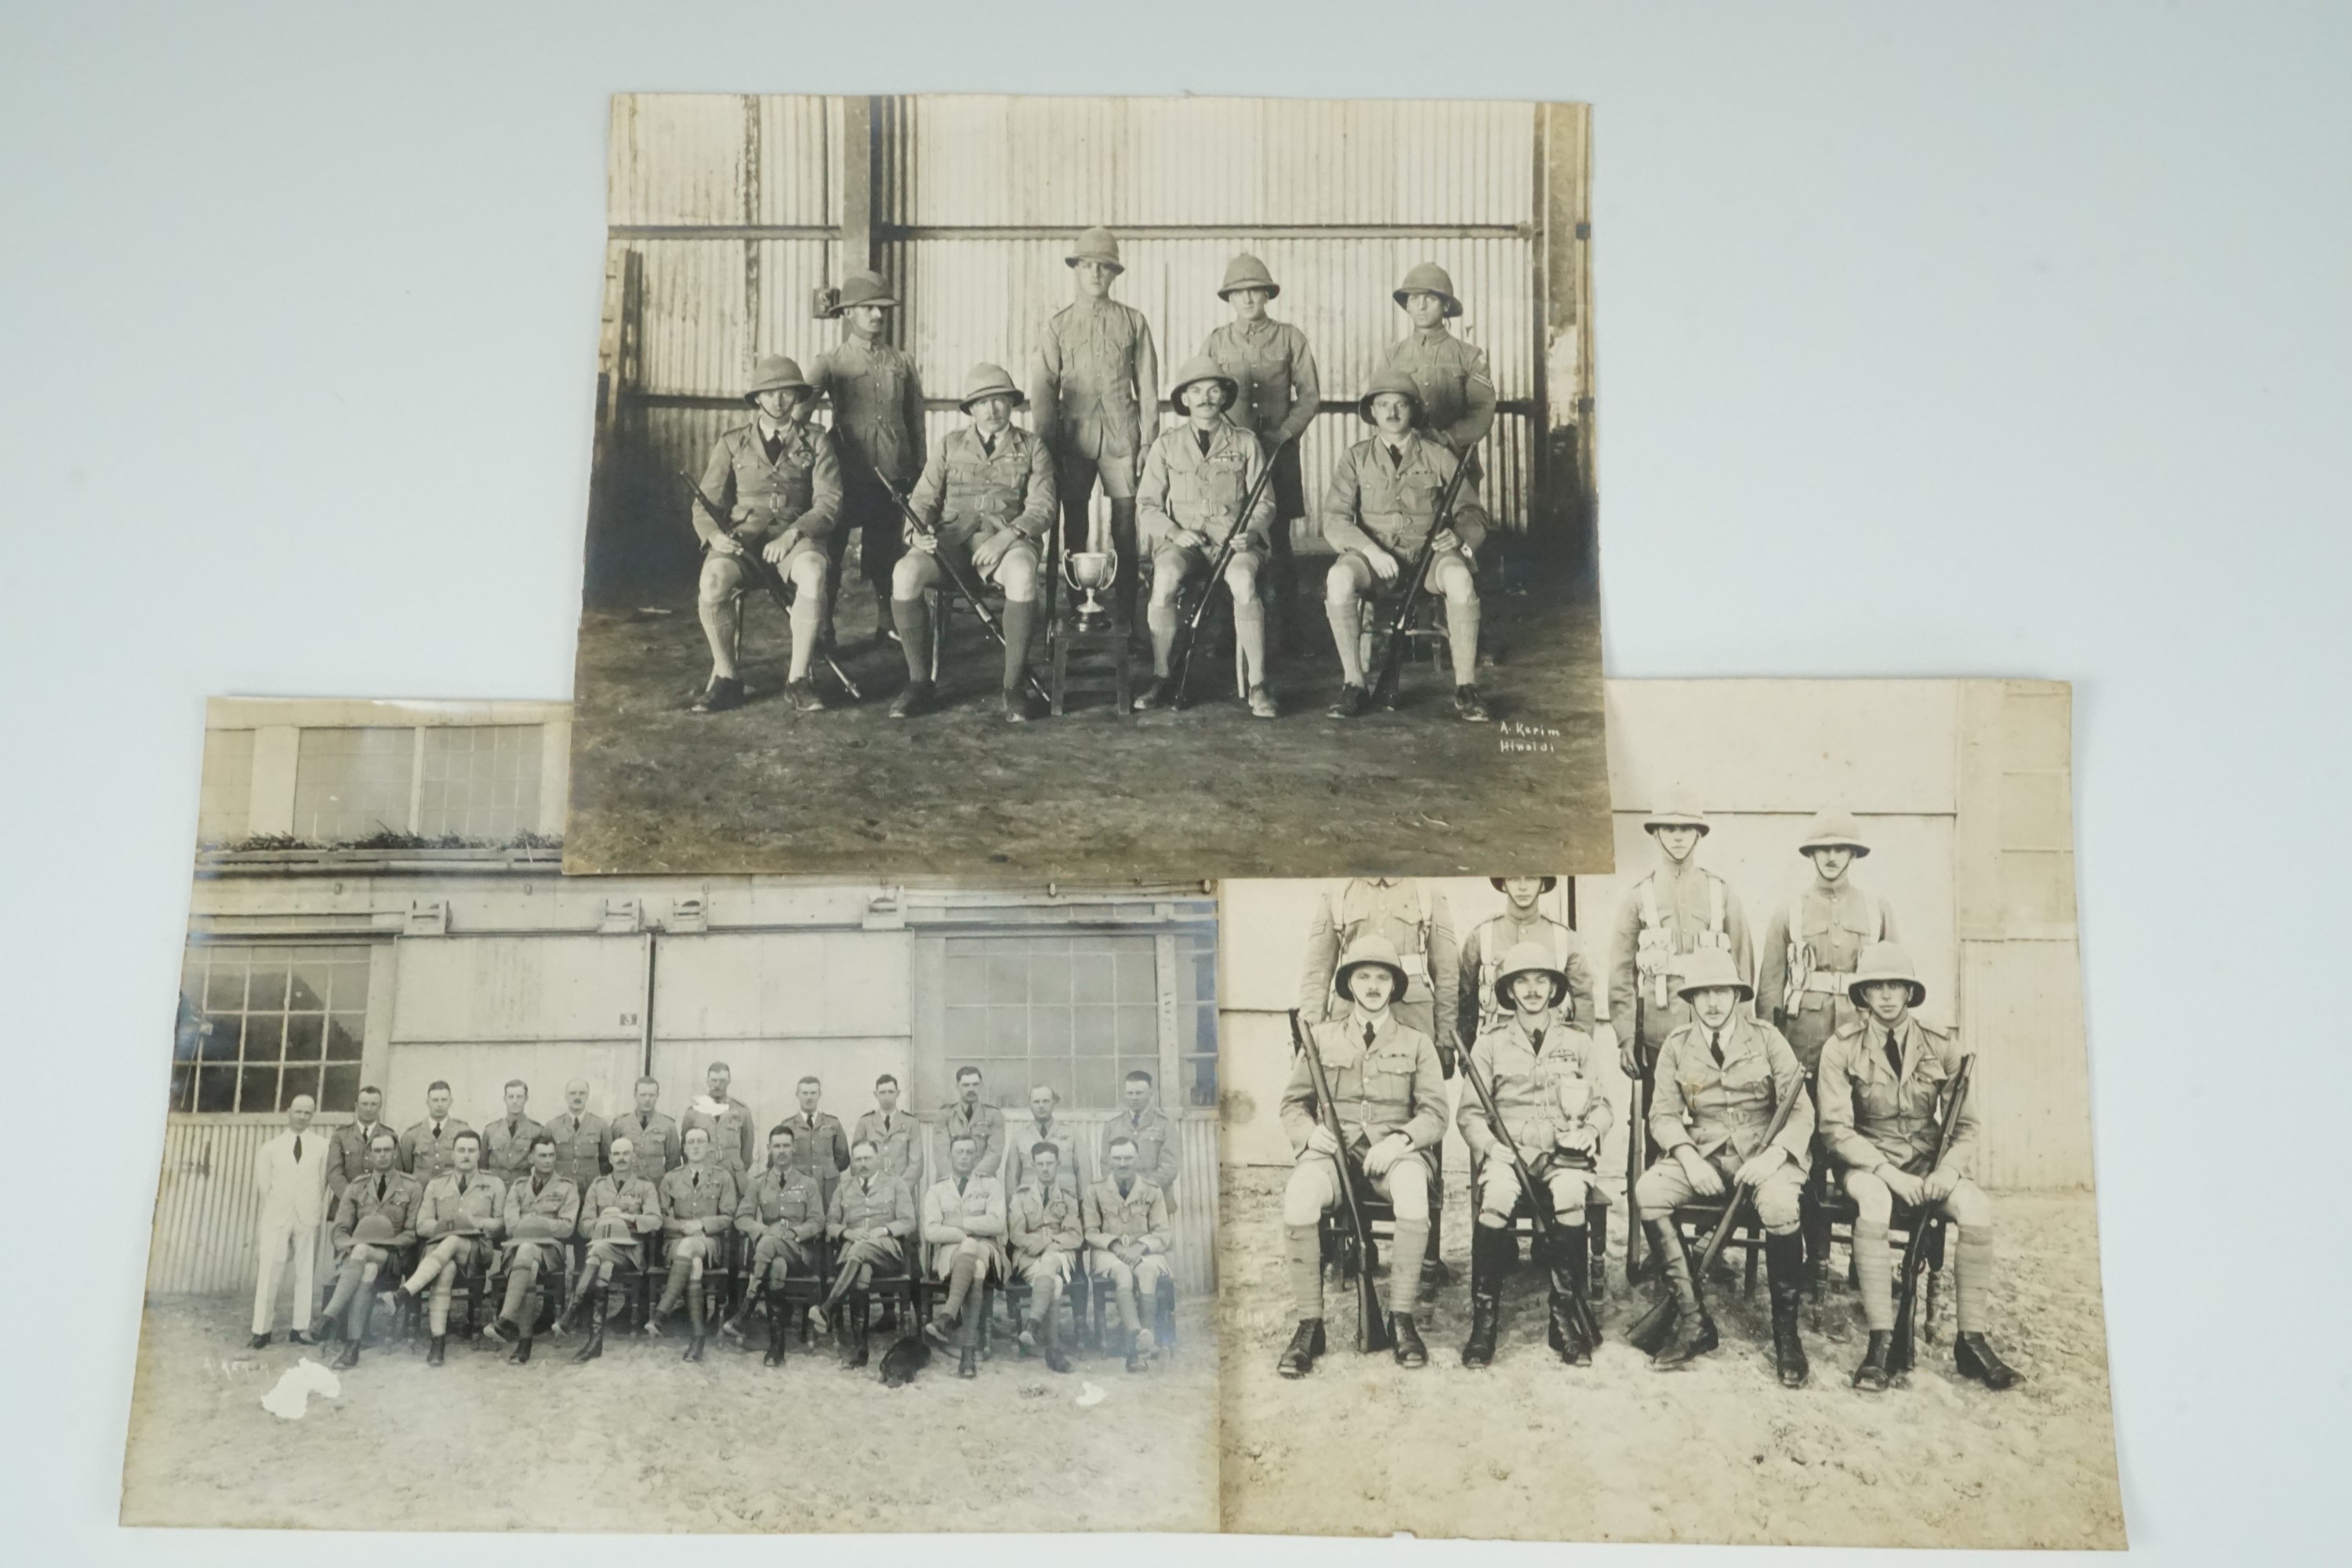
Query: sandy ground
[[1207, 793], [640, 1441], [1717, 1453]]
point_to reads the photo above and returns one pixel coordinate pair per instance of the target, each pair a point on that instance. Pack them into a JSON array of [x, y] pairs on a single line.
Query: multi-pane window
[[1196, 1022], [481, 781], [353, 782], [225, 805], [1076, 1012], [261, 1025]]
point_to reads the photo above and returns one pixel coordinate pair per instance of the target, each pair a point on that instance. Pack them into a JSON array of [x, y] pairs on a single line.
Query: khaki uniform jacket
[[581, 1142], [1043, 1222], [886, 1201], [1020, 1166], [1138, 1215], [1802, 970], [1274, 367], [347, 1149], [505, 1145], [1870, 1117], [986, 1123], [1412, 916], [1725, 1111], [655, 1148], [1393, 1085], [424, 1156], [1185, 487], [549, 1217], [1155, 1146], [878, 410], [1372, 500], [1541, 1090], [978, 1212], [801, 490], [443, 1209], [1458, 391], [398, 1204], [820, 1148], [1481, 966], [734, 1143], [790, 1198], [688, 1197], [893, 1145], [1094, 382], [630, 1198], [967, 492], [1642, 958]]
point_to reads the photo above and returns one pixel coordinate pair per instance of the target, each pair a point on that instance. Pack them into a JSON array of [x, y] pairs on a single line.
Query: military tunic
[[1043, 1222], [581, 1142], [607, 1218], [1416, 921], [1094, 365], [691, 1197], [1155, 1146], [541, 1217], [967, 492], [425, 1148], [1542, 1090], [1393, 504], [397, 1203], [786, 1207], [893, 1139], [1458, 391], [878, 412], [985, 1122], [1673, 911], [473, 1210], [1185, 487], [1870, 1116], [347, 1149], [1020, 1166], [860, 1205], [1138, 1215], [655, 1145], [800, 489], [732, 1142], [976, 1208], [1811, 949], [505, 1145], [820, 1150], [1724, 1110], [1391, 1085], [1281, 393], [1479, 1009]]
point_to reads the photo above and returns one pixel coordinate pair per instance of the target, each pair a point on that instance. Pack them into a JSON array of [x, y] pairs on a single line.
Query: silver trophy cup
[[1090, 571]]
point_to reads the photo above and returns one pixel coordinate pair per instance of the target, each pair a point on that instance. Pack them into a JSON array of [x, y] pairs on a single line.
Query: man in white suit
[[291, 1174]]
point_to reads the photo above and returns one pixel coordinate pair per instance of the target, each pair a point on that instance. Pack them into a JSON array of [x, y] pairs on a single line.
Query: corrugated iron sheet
[[205, 1205], [704, 159]]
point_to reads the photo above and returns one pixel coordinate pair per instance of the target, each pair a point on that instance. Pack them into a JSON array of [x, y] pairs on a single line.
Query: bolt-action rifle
[[1416, 589], [1650, 1330], [762, 571], [1371, 1318], [970, 594], [1188, 632], [1929, 1222], [1538, 1201]]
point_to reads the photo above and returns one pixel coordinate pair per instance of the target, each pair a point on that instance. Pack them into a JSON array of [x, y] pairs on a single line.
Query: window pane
[[298, 1080], [223, 1040], [257, 1088], [352, 783], [347, 987], [1138, 976], [344, 1032], [1094, 1031], [224, 991], [341, 1090], [1049, 1031], [1049, 981], [265, 992], [184, 1088], [1098, 1082], [1055, 1071], [1093, 980], [1204, 1030], [481, 781], [967, 977], [265, 1038], [1008, 980], [1008, 1032], [216, 1089], [306, 1034], [309, 992], [1200, 1081], [967, 1030], [227, 788], [1139, 1030]]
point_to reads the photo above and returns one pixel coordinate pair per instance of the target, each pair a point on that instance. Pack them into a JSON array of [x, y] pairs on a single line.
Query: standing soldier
[[1280, 396], [347, 1147], [872, 1214], [375, 1221], [782, 1208], [1721, 1078], [623, 1208], [1677, 908], [1127, 1248], [987, 493], [458, 1218], [699, 1202], [778, 477], [1153, 1133], [820, 1148], [1046, 1221], [1377, 513], [1022, 1142], [728, 1122], [653, 1136], [506, 1142], [964, 1226], [1480, 1007], [890, 1130], [425, 1149], [580, 1138], [1544, 1073], [1389, 1098], [1881, 1077], [1195, 481], [1096, 382], [878, 426], [290, 1174], [543, 1211], [968, 1113], [1457, 393]]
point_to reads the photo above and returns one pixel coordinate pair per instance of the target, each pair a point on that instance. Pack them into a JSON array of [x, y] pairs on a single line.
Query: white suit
[[293, 1200]]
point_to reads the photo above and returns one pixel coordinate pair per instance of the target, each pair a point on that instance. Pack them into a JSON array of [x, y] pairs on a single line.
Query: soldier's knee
[[1655, 1193], [808, 569], [1968, 1206], [1408, 1189], [1017, 575], [1241, 574], [1568, 1190], [1871, 1201], [720, 578], [911, 575], [1454, 580], [1777, 1199], [1304, 1197]]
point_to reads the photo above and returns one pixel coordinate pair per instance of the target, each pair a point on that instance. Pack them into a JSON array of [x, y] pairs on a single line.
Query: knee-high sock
[[1462, 638], [719, 619], [959, 1285], [914, 621], [1020, 622], [347, 1284], [809, 613], [1346, 627], [1161, 618], [1249, 630], [1972, 1276], [438, 1315], [1302, 1260], [1876, 1273], [1404, 1265]]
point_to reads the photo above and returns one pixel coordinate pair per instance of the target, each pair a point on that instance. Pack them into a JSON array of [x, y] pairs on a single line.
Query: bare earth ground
[[1717, 1453], [641, 1441], [1207, 793]]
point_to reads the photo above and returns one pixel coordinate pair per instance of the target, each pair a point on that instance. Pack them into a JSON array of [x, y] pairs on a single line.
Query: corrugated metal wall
[[205, 1205]]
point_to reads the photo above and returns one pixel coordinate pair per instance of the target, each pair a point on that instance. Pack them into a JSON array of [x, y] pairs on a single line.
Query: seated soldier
[[1391, 1104], [1721, 1077], [1194, 484], [1380, 507], [1543, 1073], [1881, 1076], [963, 1225], [621, 1209], [783, 1208], [699, 1203], [458, 1219], [1127, 1248], [870, 1217], [375, 1221], [543, 1216], [984, 502], [1047, 1231]]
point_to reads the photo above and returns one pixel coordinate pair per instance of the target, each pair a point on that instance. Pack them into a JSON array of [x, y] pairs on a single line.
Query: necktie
[[514, 1125], [1715, 1043], [644, 1122], [1369, 1031], [1894, 1054], [1535, 1040], [773, 445], [1126, 1186], [988, 446], [1203, 437], [297, 1148], [462, 1182], [378, 1189], [1396, 457]]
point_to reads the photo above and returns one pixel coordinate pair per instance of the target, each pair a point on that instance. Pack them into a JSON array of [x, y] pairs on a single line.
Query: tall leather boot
[[697, 1313], [1975, 1357], [1694, 1333], [363, 1303], [520, 1354], [572, 1310], [1784, 1270], [436, 1350], [777, 1317], [1305, 1345], [733, 1326], [1410, 1351], [1567, 1296], [595, 1345], [673, 1292], [859, 1307], [1486, 1294], [1049, 1329], [1872, 1376]]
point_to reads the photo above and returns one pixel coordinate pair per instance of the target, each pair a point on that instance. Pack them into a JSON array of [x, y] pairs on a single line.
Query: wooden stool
[[1108, 640]]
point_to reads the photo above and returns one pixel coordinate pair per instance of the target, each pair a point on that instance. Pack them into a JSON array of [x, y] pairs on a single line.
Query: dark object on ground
[[903, 1360]]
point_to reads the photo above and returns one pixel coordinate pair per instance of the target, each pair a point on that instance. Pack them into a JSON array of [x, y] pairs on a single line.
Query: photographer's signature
[[1515, 735]]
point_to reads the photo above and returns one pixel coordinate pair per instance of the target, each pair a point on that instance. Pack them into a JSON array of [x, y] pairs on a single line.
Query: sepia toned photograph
[[725, 1204], [1742, 1196], [1091, 489]]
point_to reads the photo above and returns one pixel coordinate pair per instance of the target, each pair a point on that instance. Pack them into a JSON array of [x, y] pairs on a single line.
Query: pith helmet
[[373, 1230], [990, 381], [1528, 958], [1886, 960], [1675, 811], [777, 372], [1246, 271], [1708, 968], [1429, 277], [1549, 883], [609, 1227], [1366, 949], [1197, 369], [1098, 244], [1388, 380], [1832, 828], [864, 288]]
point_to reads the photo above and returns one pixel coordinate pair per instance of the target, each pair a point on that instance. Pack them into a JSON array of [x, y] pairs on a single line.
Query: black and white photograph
[[1743, 1196], [1089, 488], [713, 1205]]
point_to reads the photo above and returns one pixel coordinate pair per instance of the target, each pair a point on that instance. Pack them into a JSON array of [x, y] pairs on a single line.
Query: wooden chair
[[944, 601], [1106, 1312], [1840, 1212]]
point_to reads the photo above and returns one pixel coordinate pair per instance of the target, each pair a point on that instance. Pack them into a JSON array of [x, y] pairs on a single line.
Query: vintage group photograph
[[1741, 1196], [1106, 489], [712, 1204]]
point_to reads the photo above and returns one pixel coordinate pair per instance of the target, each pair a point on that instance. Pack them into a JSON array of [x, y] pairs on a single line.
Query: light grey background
[[1990, 339]]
